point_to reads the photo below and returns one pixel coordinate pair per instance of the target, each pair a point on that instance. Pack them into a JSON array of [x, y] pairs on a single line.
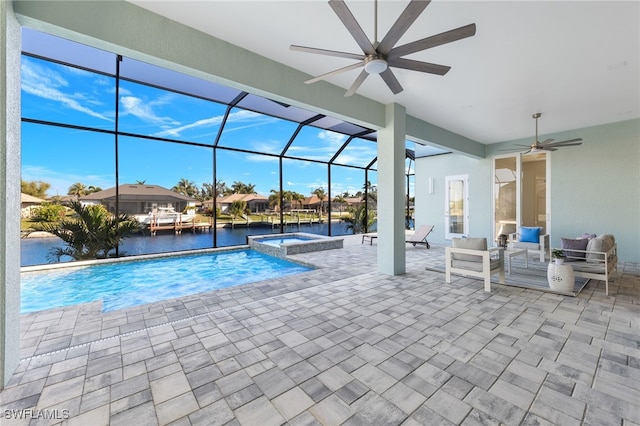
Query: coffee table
[[511, 253]]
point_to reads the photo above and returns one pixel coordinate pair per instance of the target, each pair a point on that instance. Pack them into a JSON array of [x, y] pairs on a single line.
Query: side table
[[560, 277]]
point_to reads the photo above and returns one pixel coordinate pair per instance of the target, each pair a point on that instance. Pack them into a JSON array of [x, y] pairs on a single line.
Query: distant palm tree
[[322, 195], [207, 192], [186, 187], [274, 200], [360, 219], [92, 234], [141, 182], [78, 189], [341, 200], [237, 209], [243, 188], [298, 198]]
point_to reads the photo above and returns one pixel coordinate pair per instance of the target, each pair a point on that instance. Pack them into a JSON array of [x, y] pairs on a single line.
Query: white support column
[[391, 191], [10, 46]]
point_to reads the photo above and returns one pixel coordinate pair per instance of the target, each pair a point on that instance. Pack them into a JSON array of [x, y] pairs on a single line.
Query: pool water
[[276, 242], [124, 284]]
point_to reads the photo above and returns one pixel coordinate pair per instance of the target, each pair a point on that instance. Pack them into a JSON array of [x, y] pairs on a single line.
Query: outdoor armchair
[[471, 257]]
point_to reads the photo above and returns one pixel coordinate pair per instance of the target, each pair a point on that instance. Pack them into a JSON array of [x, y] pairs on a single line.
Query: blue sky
[[62, 156]]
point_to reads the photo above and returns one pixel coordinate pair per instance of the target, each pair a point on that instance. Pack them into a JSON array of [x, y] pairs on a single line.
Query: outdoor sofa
[[591, 256]]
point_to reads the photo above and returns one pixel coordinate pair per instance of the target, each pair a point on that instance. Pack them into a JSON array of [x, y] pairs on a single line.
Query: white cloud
[[144, 110], [48, 84], [252, 118]]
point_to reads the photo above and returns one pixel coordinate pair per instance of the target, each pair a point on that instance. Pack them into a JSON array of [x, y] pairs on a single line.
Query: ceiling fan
[[378, 57], [549, 144]]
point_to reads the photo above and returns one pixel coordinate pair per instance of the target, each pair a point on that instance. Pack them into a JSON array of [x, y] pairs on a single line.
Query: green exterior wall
[[595, 187]]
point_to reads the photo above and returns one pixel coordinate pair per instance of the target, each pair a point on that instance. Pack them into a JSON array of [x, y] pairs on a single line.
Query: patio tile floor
[[342, 344]]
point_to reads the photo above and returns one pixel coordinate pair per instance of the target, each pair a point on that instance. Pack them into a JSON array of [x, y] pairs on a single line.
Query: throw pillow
[[587, 236], [530, 234], [574, 244]]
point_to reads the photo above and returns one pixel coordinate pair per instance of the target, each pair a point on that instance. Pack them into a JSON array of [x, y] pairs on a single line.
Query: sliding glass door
[[520, 192]]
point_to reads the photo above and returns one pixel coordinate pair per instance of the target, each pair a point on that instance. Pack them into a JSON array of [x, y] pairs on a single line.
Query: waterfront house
[[137, 199]]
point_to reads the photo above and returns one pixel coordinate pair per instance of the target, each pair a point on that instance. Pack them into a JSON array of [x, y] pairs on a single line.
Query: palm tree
[[186, 187], [207, 192], [321, 194], [92, 234], [274, 200], [360, 219], [341, 200], [243, 188], [78, 189], [236, 209]]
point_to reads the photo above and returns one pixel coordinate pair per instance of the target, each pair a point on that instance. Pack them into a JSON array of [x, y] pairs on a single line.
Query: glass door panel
[[534, 190], [456, 208], [505, 190]]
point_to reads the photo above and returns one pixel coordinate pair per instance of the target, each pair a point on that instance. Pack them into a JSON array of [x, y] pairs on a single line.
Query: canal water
[[37, 251]]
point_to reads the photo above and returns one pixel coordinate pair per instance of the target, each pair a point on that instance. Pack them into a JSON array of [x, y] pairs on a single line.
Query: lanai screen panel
[[135, 70], [68, 52], [359, 152], [64, 94], [155, 112], [315, 143], [256, 132], [58, 156], [275, 108]]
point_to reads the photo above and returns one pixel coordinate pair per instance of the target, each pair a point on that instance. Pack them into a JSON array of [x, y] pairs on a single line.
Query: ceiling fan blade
[[546, 141], [345, 15], [389, 77], [335, 72], [402, 24], [563, 145], [409, 64], [356, 84], [327, 52], [569, 142], [433, 41]]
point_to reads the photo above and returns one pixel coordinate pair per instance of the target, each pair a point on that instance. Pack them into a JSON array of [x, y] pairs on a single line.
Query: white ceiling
[[576, 62]]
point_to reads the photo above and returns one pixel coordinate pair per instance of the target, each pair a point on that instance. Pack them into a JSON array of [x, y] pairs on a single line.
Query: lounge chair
[[420, 236]]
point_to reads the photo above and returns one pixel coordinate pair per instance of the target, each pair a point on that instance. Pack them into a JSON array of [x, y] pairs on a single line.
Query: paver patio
[[342, 344]]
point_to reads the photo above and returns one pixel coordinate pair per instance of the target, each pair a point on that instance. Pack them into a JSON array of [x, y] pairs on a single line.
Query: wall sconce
[[430, 185]]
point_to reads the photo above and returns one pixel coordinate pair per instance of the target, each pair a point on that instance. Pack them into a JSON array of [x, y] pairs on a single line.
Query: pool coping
[[133, 258]]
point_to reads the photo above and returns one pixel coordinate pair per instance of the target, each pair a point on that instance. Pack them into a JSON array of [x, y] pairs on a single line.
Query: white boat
[[165, 216]]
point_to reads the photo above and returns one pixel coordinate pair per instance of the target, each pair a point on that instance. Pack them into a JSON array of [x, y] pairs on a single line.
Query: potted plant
[[558, 256]]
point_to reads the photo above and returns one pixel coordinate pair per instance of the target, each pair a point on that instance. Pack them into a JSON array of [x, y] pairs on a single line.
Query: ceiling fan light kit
[[380, 57], [375, 64]]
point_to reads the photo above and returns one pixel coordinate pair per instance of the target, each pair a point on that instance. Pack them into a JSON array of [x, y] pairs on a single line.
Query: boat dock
[[178, 226]]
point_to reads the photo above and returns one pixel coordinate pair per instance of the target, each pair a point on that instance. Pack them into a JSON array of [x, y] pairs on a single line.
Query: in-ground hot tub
[[282, 245]]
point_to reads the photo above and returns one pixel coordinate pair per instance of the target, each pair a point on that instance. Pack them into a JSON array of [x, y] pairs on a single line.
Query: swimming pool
[[130, 283], [283, 245], [276, 242]]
